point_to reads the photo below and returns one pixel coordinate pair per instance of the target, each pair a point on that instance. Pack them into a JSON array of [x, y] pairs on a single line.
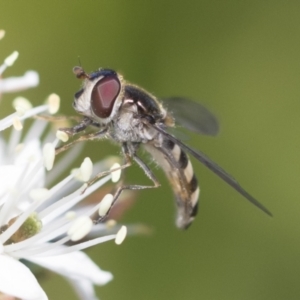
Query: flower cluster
[[38, 223]]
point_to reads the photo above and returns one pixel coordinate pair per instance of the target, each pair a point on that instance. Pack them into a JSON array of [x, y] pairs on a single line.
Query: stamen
[[121, 234], [77, 247], [64, 163], [61, 206], [30, 79], [55, 142], [70, 215], [2, 34], [115, 176], [80, 228], [48, 155], [53, 102], [48, 233], [61, 135], [41, 194], [21, 105], [14, 145], [8, 121], [31, 174], [110, 223], [85, 171], [10, 199], [35, 131], [17, 124], [24, 248], [10, 60], [93, 188], [105, 205]]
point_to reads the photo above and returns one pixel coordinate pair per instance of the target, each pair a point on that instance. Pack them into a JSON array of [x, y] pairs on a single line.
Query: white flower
[[36, 223], [12, 84]]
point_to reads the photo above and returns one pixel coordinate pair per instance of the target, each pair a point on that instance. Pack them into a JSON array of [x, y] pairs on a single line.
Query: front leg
[[126, 164], [87, 137], [85, 122]]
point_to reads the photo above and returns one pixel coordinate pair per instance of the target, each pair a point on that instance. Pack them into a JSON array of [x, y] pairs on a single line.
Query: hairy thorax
[[128, 127]]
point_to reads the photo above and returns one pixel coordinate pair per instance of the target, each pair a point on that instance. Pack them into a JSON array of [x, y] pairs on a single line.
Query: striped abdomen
[[179, 171]]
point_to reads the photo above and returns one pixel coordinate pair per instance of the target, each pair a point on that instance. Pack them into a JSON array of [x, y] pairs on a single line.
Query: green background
[[239, 58]]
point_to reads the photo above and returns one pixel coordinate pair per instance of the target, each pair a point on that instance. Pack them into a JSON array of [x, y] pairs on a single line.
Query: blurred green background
[[239, 58]]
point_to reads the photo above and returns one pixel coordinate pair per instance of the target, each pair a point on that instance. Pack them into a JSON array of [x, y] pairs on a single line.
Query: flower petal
[[17, 280], [75, 265], [84, 289], [8, 176]]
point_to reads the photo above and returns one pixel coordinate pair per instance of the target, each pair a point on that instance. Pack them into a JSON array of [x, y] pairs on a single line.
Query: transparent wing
[[192, 115], [214, 168]]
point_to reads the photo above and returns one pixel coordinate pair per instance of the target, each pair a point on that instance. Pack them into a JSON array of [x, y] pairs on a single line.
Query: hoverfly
[[130, 116]]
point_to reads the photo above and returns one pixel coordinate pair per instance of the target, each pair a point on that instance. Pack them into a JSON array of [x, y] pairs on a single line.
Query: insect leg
[[87, 137], [104, 173], [147, 171], [85, 122], [133, 187]]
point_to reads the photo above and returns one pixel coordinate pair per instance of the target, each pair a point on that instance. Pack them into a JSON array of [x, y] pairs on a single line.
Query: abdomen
[[178, 169]]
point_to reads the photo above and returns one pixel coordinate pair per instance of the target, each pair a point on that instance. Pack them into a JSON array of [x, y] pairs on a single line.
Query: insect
[[132, 117]]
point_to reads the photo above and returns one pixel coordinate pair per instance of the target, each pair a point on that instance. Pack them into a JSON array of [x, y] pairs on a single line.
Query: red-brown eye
[[104, 95]]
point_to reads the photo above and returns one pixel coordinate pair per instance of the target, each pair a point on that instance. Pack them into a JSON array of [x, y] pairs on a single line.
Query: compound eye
[[104, 95]]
